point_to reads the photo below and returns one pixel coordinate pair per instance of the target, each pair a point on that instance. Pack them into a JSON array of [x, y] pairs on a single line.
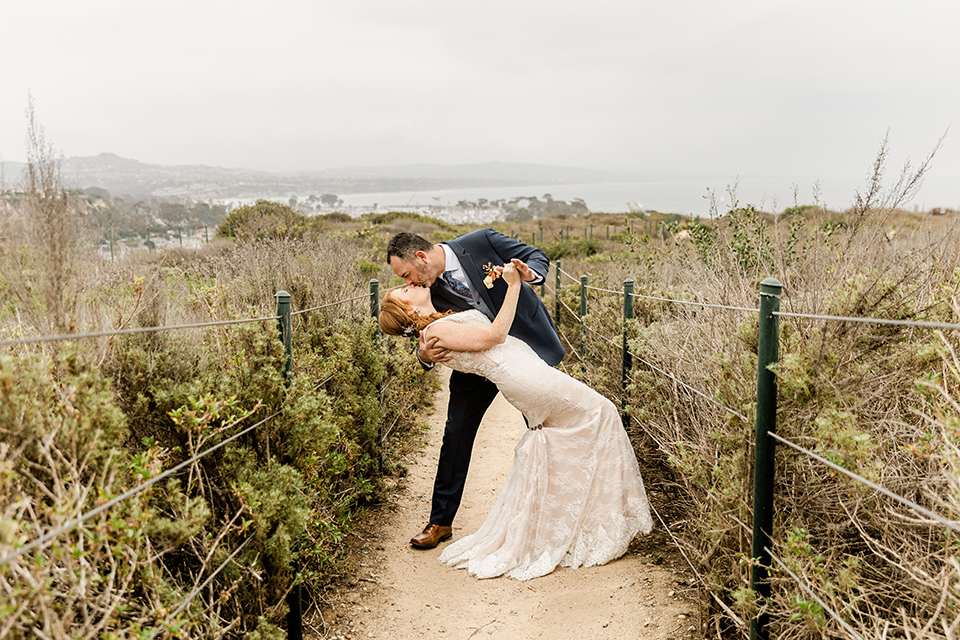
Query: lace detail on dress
[[574, 496]]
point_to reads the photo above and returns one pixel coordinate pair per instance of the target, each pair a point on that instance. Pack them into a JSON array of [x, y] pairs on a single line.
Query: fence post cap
[[771, 285], [282, 295], [374, 281]]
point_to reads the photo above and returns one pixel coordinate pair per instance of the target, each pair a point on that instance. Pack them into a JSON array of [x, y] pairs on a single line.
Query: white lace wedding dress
[[574, 496]]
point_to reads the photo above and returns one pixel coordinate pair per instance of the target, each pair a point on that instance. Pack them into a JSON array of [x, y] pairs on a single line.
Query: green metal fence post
[[375, 303], [375, 313], [556, 297], [285, 328], [541, 235], [533, 240], [583, 312], [767, 355], [295, 613], [627, 358]]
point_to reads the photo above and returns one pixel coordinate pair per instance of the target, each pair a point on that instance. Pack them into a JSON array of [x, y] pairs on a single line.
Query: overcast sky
[[670, 88]]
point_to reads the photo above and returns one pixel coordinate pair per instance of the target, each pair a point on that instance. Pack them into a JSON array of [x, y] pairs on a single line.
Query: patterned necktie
[[457, 285]]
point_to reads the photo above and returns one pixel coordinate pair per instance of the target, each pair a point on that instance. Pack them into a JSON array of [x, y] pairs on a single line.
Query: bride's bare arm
[[459, 337]]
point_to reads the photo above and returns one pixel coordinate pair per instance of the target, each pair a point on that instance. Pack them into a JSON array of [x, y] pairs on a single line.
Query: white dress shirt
[[452, 264]]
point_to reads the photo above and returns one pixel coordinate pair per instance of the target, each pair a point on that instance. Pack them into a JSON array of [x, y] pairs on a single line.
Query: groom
[[454, 270]]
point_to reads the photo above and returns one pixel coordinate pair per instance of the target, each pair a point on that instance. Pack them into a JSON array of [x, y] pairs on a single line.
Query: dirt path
[[400, 593]]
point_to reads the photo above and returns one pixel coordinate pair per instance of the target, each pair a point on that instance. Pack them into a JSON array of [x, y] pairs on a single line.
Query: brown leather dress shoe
[[431, 536]]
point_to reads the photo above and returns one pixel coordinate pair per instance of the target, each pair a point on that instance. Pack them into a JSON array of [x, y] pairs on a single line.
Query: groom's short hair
[[404, 245]]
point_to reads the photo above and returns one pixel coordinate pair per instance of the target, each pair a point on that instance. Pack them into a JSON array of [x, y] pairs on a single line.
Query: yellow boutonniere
[[492, 272]]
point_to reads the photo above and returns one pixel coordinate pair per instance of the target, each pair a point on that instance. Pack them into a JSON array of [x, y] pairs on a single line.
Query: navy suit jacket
[[532, 323]]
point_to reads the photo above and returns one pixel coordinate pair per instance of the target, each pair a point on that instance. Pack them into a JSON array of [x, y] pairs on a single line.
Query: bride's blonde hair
[[395, 318]]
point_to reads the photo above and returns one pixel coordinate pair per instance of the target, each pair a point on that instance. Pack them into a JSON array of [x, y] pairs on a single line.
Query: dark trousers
[[470, 396]]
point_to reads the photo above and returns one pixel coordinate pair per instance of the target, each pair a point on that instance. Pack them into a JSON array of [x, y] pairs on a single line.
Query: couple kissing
[[574, 496]]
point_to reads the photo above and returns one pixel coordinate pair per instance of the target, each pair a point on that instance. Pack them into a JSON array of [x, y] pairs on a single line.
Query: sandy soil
[[400, 593]]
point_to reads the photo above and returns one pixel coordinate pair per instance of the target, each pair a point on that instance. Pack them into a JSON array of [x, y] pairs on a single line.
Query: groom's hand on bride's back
[[428, 351]]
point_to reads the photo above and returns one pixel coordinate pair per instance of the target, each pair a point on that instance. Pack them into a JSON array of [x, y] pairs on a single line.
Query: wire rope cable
[[574, 278], [330, 304], [672, 377], [121, 332], [654, 367], [567, 307], [689, 302], [573, 349], [42, 540], [691, 389], [695, 304], [876, 487], [899, 323]]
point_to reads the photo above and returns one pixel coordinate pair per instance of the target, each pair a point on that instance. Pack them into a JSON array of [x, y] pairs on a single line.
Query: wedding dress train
[[574, 496]]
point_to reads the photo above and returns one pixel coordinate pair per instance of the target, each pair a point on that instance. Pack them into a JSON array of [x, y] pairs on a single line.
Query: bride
[[574, 496]]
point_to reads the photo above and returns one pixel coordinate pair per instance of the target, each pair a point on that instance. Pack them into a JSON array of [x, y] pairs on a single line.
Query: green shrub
[[579, 248], [393, 216], [127, 408], [335, 217], [264, 219]]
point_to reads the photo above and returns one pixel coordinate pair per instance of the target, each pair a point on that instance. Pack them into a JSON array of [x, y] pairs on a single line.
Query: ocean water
[[688, 196]]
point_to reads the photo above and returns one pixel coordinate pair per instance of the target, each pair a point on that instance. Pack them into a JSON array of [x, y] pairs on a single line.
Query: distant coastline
[[451, 189], [687, 196]]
